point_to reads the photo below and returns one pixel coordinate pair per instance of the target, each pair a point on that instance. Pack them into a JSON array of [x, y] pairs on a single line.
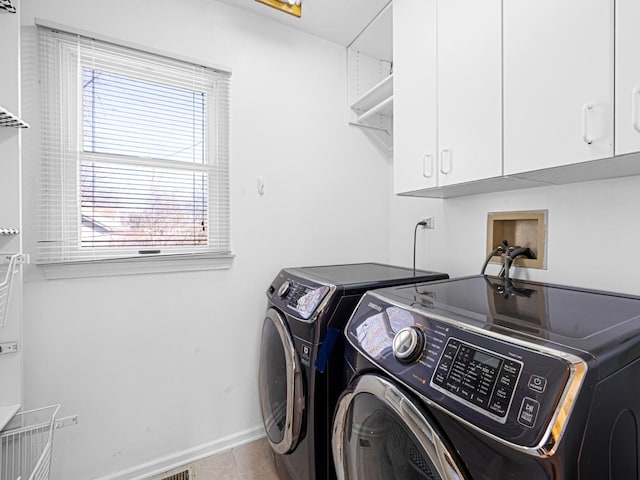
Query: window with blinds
[[135, 158]]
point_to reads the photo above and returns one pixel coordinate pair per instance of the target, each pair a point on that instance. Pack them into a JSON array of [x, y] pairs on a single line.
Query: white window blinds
[[135, 156]]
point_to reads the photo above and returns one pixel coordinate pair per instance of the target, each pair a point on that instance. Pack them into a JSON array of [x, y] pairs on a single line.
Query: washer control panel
[[482, 379], [513, 390]]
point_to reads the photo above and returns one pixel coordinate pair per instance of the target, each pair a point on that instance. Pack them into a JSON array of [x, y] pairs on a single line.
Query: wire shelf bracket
[[7, 283]]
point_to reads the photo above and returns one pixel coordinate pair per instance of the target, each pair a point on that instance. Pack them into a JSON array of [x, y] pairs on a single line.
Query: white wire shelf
[[7, 6], [9, 231], [376, 95], [385, 107], [5, 288], [8, 119], [373, 112], [26, 444]]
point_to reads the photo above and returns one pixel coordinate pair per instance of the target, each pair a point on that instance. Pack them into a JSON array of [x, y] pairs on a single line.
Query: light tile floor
[[252, 461]]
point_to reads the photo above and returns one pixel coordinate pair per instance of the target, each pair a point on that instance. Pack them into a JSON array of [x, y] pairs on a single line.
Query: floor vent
[[184, 475]]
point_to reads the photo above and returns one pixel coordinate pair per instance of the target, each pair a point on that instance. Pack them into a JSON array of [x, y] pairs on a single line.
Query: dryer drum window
[[274, 383], [280, 383]]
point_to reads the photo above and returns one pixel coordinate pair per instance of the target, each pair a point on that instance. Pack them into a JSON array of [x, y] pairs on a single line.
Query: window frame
[[131, 261]]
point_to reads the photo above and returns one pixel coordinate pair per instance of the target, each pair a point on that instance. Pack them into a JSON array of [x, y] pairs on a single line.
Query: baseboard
[[185, 457]]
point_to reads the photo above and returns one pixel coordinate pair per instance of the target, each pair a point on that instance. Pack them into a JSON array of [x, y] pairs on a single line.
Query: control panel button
[[507, 380], [499, 407], [537, 383], [511, 367], [502, 393], [466, 394], [450, 352], [528, 412], [452, 387], [305, 354], [480, 400], [444, 366]]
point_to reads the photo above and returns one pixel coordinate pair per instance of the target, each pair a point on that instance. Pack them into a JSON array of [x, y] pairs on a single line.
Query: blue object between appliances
[[325, 349]]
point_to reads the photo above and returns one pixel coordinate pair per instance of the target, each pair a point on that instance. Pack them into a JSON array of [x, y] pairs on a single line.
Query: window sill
[[137, 266]]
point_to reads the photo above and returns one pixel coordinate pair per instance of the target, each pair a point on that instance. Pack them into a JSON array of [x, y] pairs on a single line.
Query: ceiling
[[339, 21]]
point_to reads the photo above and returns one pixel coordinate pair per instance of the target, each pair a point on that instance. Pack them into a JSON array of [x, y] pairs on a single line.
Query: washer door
[[280, 384], [378, 434]]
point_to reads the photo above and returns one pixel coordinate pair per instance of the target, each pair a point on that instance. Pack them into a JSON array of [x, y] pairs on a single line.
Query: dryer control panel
[[299, 297], [515, 391]]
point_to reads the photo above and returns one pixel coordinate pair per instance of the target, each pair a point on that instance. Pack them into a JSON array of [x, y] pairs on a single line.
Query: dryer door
[[280, 384], [379, 433]]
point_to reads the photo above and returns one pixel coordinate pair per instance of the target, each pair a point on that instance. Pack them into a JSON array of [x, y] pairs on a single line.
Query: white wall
[[593, 232], [405, 212], [157, 364]]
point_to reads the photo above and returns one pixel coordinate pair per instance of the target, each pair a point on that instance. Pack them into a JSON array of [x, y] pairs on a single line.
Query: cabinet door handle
[[585, 123], [445, 154], [427, 166], [634, 108]]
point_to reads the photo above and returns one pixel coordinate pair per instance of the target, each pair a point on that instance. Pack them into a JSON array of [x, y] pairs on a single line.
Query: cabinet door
[[414, 95], [469, 90], [558, 82], [627, 76]]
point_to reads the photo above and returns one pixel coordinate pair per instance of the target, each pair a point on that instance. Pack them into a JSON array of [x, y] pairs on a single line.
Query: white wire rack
[[7, 6], [8, 119], [5, 288], [26, 444]]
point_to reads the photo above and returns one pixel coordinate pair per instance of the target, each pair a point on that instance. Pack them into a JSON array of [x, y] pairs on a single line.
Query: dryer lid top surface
[[365, 275]]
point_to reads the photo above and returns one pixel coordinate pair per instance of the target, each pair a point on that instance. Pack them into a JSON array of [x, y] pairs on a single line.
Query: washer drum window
[[378, 434]]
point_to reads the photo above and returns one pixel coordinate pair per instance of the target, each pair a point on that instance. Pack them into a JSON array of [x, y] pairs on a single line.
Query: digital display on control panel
[[479, 378], [493, 362]]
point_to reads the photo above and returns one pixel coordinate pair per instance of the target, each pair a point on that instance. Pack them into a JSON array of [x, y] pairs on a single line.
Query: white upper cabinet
[[469, 90], [498, 95], [627, 76], [558, 82], [414, 91], [447, 92]]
